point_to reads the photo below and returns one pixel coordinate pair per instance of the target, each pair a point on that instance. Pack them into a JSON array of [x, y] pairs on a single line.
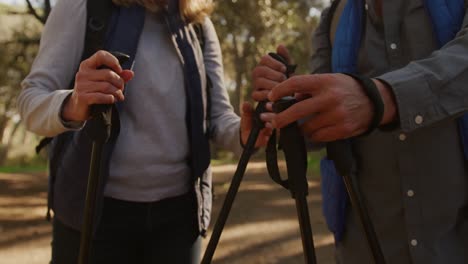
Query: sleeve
[[320, 61], [432, 89], [225, 124], [46, 86]]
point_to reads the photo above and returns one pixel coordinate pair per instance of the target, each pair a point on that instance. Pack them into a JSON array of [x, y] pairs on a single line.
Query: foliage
[[18, 50], [250, 29], [247, 30]]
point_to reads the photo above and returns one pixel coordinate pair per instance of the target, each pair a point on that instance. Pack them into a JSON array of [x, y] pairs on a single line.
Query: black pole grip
[[101, 121], [294, 148]]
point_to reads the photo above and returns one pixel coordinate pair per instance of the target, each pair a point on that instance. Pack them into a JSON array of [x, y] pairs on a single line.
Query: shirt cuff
[[69, 125], [415, 102]]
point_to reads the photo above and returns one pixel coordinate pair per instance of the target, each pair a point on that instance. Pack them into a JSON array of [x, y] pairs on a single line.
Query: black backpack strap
[[98, 15], [198, 27], [43, 143], [97, 20]]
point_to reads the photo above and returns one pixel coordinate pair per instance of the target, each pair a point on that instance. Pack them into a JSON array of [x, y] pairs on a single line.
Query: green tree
[[19, 47], [250, 29]]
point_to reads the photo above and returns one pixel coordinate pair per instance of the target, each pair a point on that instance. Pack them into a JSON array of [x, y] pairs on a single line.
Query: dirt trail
[[262, 227]]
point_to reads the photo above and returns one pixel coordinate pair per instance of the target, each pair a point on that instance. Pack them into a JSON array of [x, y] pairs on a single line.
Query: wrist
[[68, 112], [390, 107]]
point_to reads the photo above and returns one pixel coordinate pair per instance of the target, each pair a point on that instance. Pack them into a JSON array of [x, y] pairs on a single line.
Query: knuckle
[[265, 59], [110, 75], [109, 87], [259, 84], [79, 76], [101, 53], [256, 72], [295, 81], [279, 76]]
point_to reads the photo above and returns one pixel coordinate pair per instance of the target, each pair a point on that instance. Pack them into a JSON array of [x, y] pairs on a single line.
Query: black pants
[[133, 233]]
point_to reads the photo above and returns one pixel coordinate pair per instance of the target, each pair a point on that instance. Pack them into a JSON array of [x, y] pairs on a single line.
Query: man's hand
[[246, 126], [334, 106], [96, 86]]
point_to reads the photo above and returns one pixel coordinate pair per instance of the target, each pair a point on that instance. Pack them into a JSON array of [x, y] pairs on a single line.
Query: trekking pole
[[293, 144], [341, 153], [100, 129], [235, 183]]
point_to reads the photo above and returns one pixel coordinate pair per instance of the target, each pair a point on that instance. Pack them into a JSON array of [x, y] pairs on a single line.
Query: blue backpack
[[447, 18]]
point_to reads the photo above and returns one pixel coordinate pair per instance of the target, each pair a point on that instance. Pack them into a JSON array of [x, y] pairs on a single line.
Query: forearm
[[41, 111], [46, 86], [432, 89]]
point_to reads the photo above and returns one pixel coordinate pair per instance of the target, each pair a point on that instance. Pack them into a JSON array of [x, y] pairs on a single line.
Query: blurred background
[[262, 227]]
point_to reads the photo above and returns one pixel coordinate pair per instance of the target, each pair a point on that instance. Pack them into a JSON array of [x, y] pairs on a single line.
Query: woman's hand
[[247, 123], [95, 85]]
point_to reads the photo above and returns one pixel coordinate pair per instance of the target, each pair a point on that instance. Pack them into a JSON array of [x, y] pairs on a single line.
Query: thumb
[[283, 52], [247, 117], [246, 121]]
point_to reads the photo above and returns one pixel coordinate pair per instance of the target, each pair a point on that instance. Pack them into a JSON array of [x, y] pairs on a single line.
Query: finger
[[127, 75], [247, 117], [265, 84], [267, 117], [266, 132], [98, 98], [298, 111], [300, 96], [263, 137], [103, 75], [102, 59], [283, 52], [272, 63], [103, 88], [269, 106], [306, 84], [260, 95], [268, 73]]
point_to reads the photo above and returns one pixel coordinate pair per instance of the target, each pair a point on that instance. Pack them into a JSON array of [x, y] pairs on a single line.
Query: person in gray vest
[[391, 78], [155, 202]]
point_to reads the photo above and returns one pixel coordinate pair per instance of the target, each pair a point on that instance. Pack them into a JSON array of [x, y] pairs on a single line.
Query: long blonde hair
[[192, 10]]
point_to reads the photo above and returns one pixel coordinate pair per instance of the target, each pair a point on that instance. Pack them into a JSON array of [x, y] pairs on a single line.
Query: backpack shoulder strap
[[98, 13], [198, 27], [97, 21]]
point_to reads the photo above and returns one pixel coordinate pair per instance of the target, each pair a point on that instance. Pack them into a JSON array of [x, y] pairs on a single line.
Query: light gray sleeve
[[435, 88], [225, 123], [46, 86]]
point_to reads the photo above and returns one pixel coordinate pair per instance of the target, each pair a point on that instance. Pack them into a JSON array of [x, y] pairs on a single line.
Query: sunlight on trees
[[247, 30]]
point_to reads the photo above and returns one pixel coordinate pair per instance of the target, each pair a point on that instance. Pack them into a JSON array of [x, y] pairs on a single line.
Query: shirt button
[[393, 46], [414, 242], [402, 137], [410, 193], [419, 120]]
